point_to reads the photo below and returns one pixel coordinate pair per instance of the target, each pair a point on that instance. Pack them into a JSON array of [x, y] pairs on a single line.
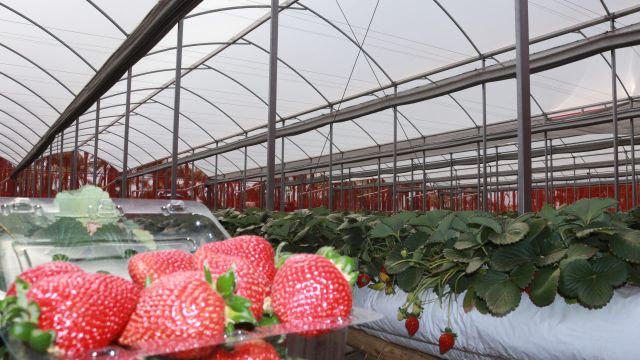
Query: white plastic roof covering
[[50, 49]]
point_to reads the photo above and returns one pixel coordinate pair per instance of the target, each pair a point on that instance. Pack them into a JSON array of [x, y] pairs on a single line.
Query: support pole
[[176, 113], [125, 151], [424, 181], [310, 189], [243, 196], [484, 144], [614, 109], [478, 202], [331, 166], [215, 184], [74, 159], [634, 201], [271, 128], [551, 194], [395, 154], [412, 187], [283, 178], [575, 181], [61, 163], [546, 169], [498, 199], [451, 181], [341, 187], [95, 143], [379, 187], [524, 106], [49, 169]]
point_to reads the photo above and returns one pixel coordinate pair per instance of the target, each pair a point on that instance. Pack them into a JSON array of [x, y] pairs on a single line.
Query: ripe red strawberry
[[250, 350], [87, 311], [363, 280], [447, 340], [157, 264], [254, 249], [412, 324], [33, 275], [250, 282], [309, 287], [179, 306]]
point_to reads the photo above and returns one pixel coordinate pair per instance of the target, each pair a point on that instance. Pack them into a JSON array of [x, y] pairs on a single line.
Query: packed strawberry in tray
[[134, 293]]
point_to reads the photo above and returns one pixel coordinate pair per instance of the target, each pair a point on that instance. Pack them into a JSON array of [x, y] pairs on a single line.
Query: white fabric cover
[[559, 331]]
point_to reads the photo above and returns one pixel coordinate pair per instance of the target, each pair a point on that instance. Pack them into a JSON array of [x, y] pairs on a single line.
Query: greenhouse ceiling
[[342, 64]]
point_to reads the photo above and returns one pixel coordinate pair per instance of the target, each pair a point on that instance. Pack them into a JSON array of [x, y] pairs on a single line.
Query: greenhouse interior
[[312, 179]]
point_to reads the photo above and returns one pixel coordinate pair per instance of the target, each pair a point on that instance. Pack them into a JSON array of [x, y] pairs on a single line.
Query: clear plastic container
[[97, 233]]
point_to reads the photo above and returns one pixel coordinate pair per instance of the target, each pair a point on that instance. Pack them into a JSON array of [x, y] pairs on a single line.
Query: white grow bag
[[559, 331]]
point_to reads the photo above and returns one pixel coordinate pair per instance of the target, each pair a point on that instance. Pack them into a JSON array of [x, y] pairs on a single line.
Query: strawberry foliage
[[581, 252]]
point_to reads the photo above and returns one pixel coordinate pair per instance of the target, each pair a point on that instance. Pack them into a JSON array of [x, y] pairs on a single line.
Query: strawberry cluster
[[178, 301]]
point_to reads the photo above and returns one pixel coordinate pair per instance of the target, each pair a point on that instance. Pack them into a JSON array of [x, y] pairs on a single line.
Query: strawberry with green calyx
[[347, 265], [363, 280], [309, 288], [35, 274], [411, 312], [86, 311], [156, 264], [169, 309], [250, 282], [237, 308], [254, 249], [21, 316], [412, 324], [447, 340]]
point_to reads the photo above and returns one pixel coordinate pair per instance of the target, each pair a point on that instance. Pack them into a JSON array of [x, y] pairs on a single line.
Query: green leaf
[[111, 232], [578, 252], [508, 257], [545, 286], [458, 255], [468, 303], [551, 258], [430, 219], [65, 232], [523, 274], [481, 305], [627, 246], [409, 279], [592, 282], [486, 281], [395, 263], [488, 222], [381, 230], [584, 232], [612, 269], [475, 264], [514, 232], [416, 240], [503, 297], [466, 241], [587, 210]]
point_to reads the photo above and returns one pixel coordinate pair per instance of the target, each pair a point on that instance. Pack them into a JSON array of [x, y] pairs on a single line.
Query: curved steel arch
[[30, 90], [7, 155], [24, 108], [234, 121], [38, 66], [164, 127], [50, 34], [15, 142], [348, 38], [21, 123], [108, 18], [191, 45]]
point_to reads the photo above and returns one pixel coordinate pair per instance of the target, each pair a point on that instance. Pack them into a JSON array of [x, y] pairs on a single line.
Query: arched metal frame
[[615, 77]]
